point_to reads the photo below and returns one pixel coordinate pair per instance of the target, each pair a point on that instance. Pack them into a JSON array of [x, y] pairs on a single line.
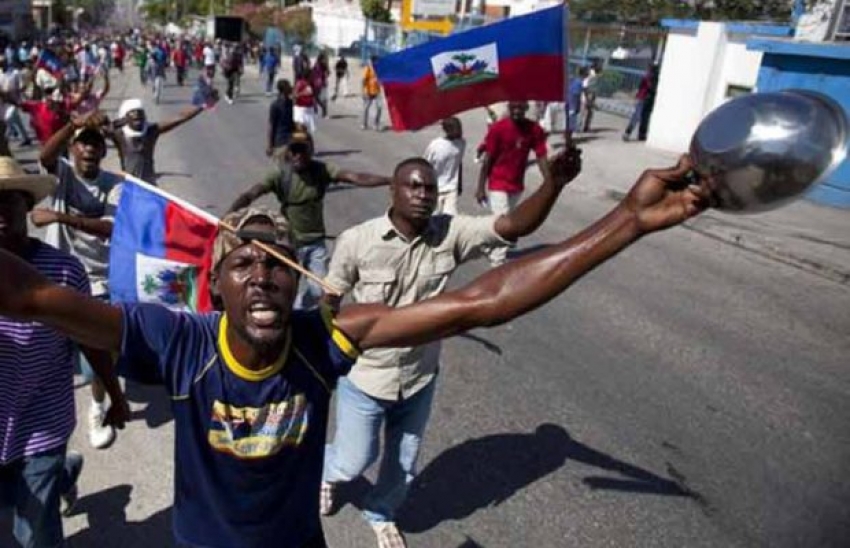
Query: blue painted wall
[[818, 67]]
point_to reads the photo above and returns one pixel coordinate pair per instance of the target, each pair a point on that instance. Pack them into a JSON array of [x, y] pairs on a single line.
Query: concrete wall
[[700, 64]]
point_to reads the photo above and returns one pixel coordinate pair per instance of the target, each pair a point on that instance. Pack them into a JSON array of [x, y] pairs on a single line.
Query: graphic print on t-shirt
[[258, 432]]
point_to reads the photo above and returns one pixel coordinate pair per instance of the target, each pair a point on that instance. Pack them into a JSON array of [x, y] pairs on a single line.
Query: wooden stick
[[287, 261]]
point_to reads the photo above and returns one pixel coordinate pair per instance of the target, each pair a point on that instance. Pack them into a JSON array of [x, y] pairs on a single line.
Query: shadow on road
[[158, 410], [487, 471], [108, 525], [492, 347], [327, 153]]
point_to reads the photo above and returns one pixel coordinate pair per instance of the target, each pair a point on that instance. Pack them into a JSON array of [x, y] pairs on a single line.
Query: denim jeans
[[634, 120], [31, 487], [367, 105], [359, 418], [15, 124], [313, 257], [85, 367]]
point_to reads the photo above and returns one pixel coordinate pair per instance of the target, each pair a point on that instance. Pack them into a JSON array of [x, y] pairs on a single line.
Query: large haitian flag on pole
[[519, 59], [161, 249]]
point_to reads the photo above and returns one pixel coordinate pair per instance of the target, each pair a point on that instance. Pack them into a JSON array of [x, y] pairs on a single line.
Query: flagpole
[[565, 37]]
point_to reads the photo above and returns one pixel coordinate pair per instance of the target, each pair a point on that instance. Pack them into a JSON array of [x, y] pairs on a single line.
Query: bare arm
[[52, 149], [520, 286], [362, 179], [165, 127], [96, 226], [247, 198], [27, 295], [532, 211], [486, 165]]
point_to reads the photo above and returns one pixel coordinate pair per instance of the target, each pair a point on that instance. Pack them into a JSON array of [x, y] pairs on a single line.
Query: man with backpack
[[300, 184]]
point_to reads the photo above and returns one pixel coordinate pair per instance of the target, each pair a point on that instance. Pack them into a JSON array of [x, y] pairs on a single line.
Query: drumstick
[[287, 261]]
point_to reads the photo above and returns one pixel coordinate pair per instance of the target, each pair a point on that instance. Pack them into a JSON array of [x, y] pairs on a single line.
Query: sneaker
[[388, 535], [326, 499], [100, 436], [74, 464]]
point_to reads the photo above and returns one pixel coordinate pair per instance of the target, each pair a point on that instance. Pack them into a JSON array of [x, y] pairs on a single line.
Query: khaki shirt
[[376, 264]]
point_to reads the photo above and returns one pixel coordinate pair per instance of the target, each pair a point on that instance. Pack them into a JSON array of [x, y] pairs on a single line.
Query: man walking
[[341, 74], [250, 385], [281, 121], [371, 94], [502, 177], [403, 257], [36, 379], [80, 223], [445, 154], [300, 185], [135, 138]]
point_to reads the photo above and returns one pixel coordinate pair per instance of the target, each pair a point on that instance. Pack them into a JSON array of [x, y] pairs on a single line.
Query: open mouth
[[264, 315]]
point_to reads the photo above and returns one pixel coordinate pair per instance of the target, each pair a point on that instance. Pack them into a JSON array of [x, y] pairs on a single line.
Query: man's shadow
[[158, 409], [108, 525], [487, 471]]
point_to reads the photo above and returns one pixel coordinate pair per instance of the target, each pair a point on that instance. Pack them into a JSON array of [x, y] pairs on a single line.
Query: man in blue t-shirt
[[250, 386]]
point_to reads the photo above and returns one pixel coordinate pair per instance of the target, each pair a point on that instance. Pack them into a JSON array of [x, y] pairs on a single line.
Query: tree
[[376, 10], [652, 11]]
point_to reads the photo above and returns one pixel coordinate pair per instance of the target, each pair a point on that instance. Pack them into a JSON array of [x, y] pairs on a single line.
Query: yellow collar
[[240, 370]]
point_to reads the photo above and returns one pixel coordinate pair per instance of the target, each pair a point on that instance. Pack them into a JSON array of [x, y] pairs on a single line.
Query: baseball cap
[[226, 240]]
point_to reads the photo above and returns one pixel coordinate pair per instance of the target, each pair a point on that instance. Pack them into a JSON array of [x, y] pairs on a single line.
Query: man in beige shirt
[[403, 257]]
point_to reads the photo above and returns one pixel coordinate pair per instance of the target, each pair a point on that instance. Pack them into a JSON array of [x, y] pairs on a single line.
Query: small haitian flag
[[48, 61], [161, 249], [519, 59]]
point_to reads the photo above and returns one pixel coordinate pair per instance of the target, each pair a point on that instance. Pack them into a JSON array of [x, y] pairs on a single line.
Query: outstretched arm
[[362, 179], [25, 294], [165, 127], [247, 198], [520, 286], [96, 226], [531, 212]]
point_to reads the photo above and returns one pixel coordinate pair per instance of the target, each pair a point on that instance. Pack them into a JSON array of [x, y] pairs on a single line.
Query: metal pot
[[764, 149]]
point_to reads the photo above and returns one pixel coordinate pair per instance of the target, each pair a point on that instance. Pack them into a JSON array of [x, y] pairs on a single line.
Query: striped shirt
[[37, 369]]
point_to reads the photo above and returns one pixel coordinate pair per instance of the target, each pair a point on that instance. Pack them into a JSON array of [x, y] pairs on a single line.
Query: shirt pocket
[[434, 276], [376, 285]]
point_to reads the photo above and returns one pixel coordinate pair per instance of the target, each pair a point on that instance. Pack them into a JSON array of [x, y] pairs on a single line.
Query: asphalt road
[[686, 394]]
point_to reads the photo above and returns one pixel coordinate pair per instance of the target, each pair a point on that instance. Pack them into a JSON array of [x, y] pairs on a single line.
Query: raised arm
[[27, 295], [531, 212], [362, 179], [520, 286], [247, 198], [185, 116]]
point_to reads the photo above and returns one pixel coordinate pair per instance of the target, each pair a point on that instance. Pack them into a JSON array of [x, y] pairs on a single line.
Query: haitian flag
[[161, 249], [518, 59], [48, 61]]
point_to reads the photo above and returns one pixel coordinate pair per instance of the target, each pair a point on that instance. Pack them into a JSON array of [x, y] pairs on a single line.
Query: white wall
[[696, 71], [522, 7]]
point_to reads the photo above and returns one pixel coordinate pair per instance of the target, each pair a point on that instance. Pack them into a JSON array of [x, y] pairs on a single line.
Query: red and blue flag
[[161, 249], [519, 59], [50, 62]]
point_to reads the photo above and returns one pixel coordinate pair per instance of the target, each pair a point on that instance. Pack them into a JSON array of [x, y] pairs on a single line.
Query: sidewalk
[[803, 234]]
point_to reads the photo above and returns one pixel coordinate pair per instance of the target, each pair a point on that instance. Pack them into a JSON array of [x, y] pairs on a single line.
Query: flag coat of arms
[[161, 249], [519, 59]]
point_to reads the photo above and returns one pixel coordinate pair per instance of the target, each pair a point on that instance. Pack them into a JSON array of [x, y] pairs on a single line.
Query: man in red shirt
[[502, 178], [48, 115], [180, 60]]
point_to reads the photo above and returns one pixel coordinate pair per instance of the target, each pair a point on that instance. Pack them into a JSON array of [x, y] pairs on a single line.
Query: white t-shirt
[[446, 156], [209, 56]]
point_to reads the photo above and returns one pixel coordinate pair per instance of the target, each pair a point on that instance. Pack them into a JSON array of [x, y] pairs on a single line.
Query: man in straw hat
[[250, 386], [300, 184], [79, 222], [36, 378], [136, 138]]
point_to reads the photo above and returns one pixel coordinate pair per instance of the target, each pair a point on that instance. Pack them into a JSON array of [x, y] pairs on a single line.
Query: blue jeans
[[314, 257], [634, 120], [31, 487], [359, 418], [85, 367], [367, 105]]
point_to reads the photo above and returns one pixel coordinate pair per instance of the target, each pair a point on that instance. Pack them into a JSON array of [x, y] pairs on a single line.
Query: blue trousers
[[314, 257], [359, 418], [31, 487]]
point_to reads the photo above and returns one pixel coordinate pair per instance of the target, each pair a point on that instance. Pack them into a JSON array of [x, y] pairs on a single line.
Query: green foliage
[[652, 11], [609, 82], [299, 26], [376, 10]]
